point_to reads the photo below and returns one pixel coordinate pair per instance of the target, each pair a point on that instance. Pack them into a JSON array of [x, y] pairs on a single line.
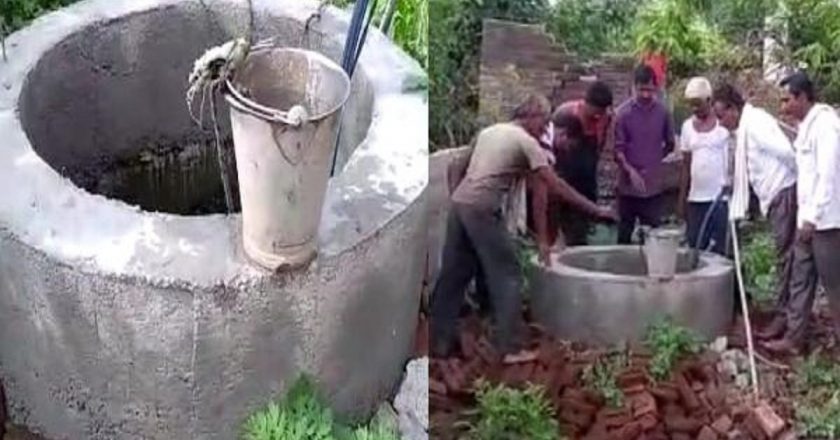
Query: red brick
[[642, 404], [666, 392], [768, 420], [680, 436], [576, 418], [632, 378], [627, 432], [577, 405], [707, 433], [753, 428], [722, 425], [648, 421], [614, 418], [634, 389], [687, 395], [682, 424]]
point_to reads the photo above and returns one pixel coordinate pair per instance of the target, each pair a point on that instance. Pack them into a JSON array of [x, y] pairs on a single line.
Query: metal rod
[[744, 310]]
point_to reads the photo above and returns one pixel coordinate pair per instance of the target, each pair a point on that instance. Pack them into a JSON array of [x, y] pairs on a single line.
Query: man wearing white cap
[[704, 146]]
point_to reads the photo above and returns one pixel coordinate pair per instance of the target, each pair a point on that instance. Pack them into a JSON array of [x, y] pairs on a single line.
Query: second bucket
[[283, 159]]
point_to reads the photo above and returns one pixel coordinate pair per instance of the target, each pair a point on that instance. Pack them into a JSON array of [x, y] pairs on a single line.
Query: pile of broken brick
[[696, 402]]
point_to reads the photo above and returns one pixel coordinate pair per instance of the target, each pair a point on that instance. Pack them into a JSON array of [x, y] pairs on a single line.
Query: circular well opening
[[106, 108], [628, 262]]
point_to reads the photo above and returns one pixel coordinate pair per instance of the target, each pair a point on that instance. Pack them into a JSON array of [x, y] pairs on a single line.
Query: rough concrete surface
[[412, 401], [121, 323], [602, 295]]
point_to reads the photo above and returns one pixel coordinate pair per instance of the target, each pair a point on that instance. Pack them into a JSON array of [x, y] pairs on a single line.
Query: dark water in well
[[179, 179]]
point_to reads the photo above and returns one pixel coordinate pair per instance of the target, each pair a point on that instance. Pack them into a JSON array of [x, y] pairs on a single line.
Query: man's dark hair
[[799, 83], [729, 96], [644, 74], [599, 95], [570, 123]]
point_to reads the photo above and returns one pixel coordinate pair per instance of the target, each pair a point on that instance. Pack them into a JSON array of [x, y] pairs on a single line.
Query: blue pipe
[[722, 195], [352, 48]]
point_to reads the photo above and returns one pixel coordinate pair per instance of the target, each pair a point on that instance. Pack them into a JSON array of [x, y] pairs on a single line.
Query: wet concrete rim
[[50, 214], [712, 266]]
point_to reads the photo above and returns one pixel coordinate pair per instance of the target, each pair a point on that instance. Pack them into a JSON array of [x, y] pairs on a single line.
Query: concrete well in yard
[[601, 295], [127, 307]]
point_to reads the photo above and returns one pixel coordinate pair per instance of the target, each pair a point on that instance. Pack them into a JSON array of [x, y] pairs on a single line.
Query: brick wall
[[519, 59]]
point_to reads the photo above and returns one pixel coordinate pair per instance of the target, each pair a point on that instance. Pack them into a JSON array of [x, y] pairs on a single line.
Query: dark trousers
[[818, 260], [647, 210], [477, 238], [717, 226], [782, 217]]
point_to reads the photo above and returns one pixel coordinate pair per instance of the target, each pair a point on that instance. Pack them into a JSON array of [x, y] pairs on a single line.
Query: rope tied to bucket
[[211, 77]]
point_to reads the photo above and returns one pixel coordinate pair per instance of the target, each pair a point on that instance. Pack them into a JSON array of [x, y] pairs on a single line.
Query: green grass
[[507, 413], [303, 415], [409, 25], [669, 343], [817, 404]]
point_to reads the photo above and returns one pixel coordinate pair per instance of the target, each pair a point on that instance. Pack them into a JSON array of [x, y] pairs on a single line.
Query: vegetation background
[[699, 36]]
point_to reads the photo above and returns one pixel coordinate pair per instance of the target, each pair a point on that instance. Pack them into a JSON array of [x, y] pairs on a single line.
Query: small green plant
[[300, 416], [377, 431], [669, 342], [526, 254], [759, 262], [601, 377], [303, 415], [817, 404], [508, 413]]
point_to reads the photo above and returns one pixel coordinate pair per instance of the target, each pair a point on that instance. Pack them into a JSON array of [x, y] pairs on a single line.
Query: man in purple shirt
[[644, 135]]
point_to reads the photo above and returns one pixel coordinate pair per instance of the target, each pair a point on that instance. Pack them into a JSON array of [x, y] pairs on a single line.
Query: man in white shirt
[[764, 161], [704, 144], [817, 248]]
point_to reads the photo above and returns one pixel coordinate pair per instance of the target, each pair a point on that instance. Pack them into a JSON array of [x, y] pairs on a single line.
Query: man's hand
[[806, 232], [636, 179]]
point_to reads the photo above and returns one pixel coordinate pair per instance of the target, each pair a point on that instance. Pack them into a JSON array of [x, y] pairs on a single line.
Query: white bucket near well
[[283, 161], [661, 248]]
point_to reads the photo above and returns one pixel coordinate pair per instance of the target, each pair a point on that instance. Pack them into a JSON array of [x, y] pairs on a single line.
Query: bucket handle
[[247, 106]]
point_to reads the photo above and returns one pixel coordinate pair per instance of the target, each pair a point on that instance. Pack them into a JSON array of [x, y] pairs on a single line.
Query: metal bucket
[[283, 168], [660, 249]]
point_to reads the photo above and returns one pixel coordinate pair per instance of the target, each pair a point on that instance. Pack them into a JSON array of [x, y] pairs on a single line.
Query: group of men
[[554, 151]]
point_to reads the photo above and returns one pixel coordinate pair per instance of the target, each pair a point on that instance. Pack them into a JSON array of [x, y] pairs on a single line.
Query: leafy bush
[[814, 40], [669, 342], [303, 415], [818, 404], [508, 413], [592, 27], [677, 29], [759, 265], [455, 39]]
